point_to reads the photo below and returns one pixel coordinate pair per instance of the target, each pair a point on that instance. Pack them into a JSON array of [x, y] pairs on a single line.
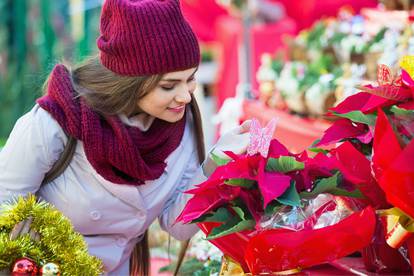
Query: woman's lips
[[177, 109]]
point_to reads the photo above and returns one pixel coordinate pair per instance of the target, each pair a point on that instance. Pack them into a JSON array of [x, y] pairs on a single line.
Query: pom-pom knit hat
[[146, 37]]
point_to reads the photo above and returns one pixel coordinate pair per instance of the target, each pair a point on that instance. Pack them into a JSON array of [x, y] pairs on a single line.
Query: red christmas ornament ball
[[24, 266]]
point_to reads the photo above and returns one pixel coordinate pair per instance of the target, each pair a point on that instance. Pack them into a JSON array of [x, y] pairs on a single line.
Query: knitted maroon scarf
[[119, 153]]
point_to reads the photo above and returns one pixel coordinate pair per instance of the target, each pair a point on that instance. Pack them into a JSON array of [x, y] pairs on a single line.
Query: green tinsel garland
[[59, 243]]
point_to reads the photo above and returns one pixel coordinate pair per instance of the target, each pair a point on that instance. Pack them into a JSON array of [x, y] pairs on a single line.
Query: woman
[[138, 131]]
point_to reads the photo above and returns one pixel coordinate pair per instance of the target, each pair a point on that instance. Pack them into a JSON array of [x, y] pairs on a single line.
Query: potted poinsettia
[[268, 208], [378, 127]]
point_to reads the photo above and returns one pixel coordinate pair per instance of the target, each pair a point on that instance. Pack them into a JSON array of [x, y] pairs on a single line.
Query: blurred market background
[[260, 58]]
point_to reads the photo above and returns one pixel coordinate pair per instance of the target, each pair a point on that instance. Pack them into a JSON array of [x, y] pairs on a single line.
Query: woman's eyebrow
[[171, 80], [178, 80]]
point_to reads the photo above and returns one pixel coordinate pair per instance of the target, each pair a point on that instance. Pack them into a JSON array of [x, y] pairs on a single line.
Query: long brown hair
[[109, 94]]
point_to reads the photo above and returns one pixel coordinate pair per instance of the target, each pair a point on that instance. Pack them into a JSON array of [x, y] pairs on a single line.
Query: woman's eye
[[167, 88]]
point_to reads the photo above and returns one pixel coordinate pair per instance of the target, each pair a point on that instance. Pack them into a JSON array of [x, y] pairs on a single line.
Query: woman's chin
[[172, 118]]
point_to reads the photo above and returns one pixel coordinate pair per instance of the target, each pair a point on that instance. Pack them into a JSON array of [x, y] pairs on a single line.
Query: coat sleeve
[[192, 175], [32, 148]]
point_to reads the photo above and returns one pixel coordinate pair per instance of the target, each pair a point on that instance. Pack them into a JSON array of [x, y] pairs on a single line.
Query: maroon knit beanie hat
[[146, 37]]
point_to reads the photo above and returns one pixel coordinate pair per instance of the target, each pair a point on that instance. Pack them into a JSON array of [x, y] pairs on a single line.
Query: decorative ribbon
[[260, 138], [229, 267], [399, 226]]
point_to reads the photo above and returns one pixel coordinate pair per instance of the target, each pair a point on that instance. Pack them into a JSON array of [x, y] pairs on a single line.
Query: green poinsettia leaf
[[241, 182], [315, 143], [290, 196], [233, 225], [330, 185], [284, 164], [401, 111], [318, 150], [221, 215], [218, 160], [240, 207], [342, 192], [359, 117], [240, 212]]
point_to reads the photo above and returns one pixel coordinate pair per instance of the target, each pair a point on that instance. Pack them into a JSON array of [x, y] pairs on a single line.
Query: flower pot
[[318, 102], [296, 102]]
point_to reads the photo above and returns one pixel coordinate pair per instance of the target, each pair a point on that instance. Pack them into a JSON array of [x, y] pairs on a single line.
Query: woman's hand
[[236, 140], [22, 228]]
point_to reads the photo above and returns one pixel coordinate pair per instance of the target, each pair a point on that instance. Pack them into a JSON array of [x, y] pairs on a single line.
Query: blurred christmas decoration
[[233, 4], [326, 62], [398, 4], [33, 34], [58, 250]]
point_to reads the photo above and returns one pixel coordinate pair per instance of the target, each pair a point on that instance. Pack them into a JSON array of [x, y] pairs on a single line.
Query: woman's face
[[168, 100]]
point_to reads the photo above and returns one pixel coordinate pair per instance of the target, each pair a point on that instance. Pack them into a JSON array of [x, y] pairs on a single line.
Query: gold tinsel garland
[[59, 243]]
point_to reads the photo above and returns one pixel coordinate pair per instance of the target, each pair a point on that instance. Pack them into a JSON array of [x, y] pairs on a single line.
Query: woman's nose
[[184, 95]]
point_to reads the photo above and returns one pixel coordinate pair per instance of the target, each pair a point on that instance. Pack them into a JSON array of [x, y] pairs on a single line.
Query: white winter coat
[[111, 217]]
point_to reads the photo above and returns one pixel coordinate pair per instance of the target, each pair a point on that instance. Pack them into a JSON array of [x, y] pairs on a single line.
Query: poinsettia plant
[[377, 126], [386, 178], [392, 164], [262, 181], [358, 121], [267, 184]]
